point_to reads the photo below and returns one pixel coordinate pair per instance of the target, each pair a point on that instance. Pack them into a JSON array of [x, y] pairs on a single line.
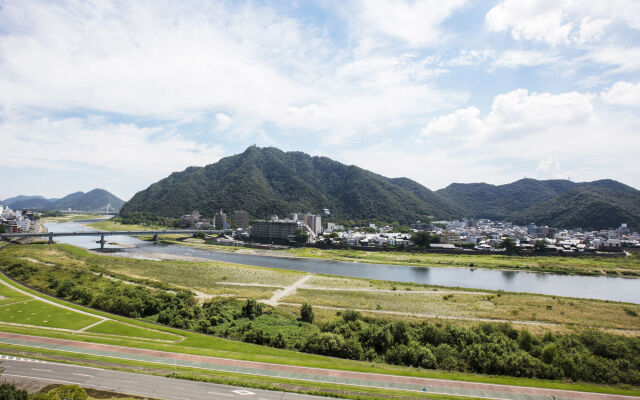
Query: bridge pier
[[50, 239], [155, 237], [102, 242]]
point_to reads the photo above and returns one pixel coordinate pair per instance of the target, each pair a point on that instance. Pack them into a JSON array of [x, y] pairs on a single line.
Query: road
[[17, 368], [352, 378]]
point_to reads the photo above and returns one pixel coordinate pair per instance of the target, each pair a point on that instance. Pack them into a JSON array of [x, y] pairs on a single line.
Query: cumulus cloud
[[223, 121], [561, 22], [623, 94], [516, 112], [548, 168]]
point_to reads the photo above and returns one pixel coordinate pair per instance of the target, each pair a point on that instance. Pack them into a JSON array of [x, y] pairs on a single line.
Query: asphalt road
[[131, 383]]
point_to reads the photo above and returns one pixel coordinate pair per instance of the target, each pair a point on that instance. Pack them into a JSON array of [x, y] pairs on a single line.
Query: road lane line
[[89, 376], [42, 379], [43, 370], [221, 394]]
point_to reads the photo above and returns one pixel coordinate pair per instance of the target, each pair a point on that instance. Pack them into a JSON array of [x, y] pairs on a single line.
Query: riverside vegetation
[[76, 275]]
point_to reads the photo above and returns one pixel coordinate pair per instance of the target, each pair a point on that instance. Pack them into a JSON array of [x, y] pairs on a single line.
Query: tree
[[68, 392], [10, 392], [2, 229], [301, 236], [251, 309], [306, 312], [508, 244], [421, 239], [540, 246]]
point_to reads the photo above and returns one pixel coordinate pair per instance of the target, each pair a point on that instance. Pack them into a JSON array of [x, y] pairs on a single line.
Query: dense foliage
[[265, 181], [560, 203], [589, 208], [9, 391], [485, 348]]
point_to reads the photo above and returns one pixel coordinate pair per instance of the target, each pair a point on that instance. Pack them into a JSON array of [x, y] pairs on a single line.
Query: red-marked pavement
[[461, 388]]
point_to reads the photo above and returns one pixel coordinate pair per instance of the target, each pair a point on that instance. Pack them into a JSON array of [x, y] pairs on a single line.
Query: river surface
[[595, 287]]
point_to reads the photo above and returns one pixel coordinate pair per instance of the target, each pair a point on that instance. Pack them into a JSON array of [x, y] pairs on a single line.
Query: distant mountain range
[[559, 203], [265, 181], [95, 200]]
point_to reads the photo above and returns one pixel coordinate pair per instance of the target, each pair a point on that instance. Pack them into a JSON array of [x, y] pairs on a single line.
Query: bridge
[[102, 234]]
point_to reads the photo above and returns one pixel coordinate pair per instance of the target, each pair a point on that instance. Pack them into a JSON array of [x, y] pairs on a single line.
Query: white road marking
[[243, 392], [221, 394], [43, 370], [90, 376], [43, 379]]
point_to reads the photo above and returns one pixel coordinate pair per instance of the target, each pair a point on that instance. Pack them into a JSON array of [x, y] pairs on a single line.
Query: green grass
[[122, 329], [42, 314]]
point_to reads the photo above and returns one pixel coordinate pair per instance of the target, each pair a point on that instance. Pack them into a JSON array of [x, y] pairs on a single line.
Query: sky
[[119, 94]]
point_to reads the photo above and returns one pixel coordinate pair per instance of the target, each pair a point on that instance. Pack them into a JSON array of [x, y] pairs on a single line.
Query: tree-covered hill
[[266, 181], [559, 203], [589, 207]]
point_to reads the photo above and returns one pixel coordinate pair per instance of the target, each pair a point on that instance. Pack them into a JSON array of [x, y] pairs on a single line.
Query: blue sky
[[118, 94]]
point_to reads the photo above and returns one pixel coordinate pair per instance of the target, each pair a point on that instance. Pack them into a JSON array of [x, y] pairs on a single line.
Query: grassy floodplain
[[63, 257], [71, 218], [239, 281]]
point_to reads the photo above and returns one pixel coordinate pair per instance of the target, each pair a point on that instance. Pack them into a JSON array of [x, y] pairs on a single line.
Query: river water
[[600, 287]]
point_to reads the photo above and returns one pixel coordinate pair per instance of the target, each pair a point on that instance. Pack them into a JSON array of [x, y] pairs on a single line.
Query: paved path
[[439, 386], [18, 369]]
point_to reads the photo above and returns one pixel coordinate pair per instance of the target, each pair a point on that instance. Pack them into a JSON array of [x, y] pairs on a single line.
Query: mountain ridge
[[94, 200]]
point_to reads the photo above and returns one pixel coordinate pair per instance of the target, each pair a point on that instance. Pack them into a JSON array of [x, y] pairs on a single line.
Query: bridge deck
[[108, 233]]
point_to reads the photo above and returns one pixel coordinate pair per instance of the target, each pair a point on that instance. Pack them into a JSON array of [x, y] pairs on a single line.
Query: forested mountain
[[266, 181], [589, 207], [95, 200], [559, 203]]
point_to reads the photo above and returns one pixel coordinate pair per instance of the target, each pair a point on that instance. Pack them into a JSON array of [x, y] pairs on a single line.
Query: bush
[[252, 309], [10, 392], [306, 313]]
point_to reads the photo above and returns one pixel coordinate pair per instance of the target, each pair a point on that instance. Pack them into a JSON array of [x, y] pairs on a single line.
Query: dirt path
[[287, 291]]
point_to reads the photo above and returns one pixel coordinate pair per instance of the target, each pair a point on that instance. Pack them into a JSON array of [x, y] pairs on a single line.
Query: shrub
[[306, 313]]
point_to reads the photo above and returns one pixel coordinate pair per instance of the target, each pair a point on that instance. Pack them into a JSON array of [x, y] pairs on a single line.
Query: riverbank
[[628, 267]]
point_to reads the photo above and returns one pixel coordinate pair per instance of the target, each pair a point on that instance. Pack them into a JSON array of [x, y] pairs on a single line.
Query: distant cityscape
[[467, 234]]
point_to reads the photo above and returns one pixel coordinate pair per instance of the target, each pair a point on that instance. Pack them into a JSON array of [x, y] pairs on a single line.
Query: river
[[595, 287]]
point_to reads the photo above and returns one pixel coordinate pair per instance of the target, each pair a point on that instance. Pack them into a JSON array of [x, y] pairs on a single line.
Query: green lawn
[[109, 225], [122, 329], [39, 313]]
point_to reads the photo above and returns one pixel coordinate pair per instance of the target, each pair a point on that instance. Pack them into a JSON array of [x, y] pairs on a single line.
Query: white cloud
[[549, 168], [471, 57], [625, 59], [519, 111], [530, 20], [558, 22], [223, 121], [527, 58], [416, 22], [460, 122], [516, 113], [76, 144], [623, 94], [592, 29]]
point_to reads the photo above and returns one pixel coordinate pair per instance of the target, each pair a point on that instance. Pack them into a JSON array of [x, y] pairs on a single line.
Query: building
[[241, 219], [190, 220], [279, 230], [314, 222], [220, 220]]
